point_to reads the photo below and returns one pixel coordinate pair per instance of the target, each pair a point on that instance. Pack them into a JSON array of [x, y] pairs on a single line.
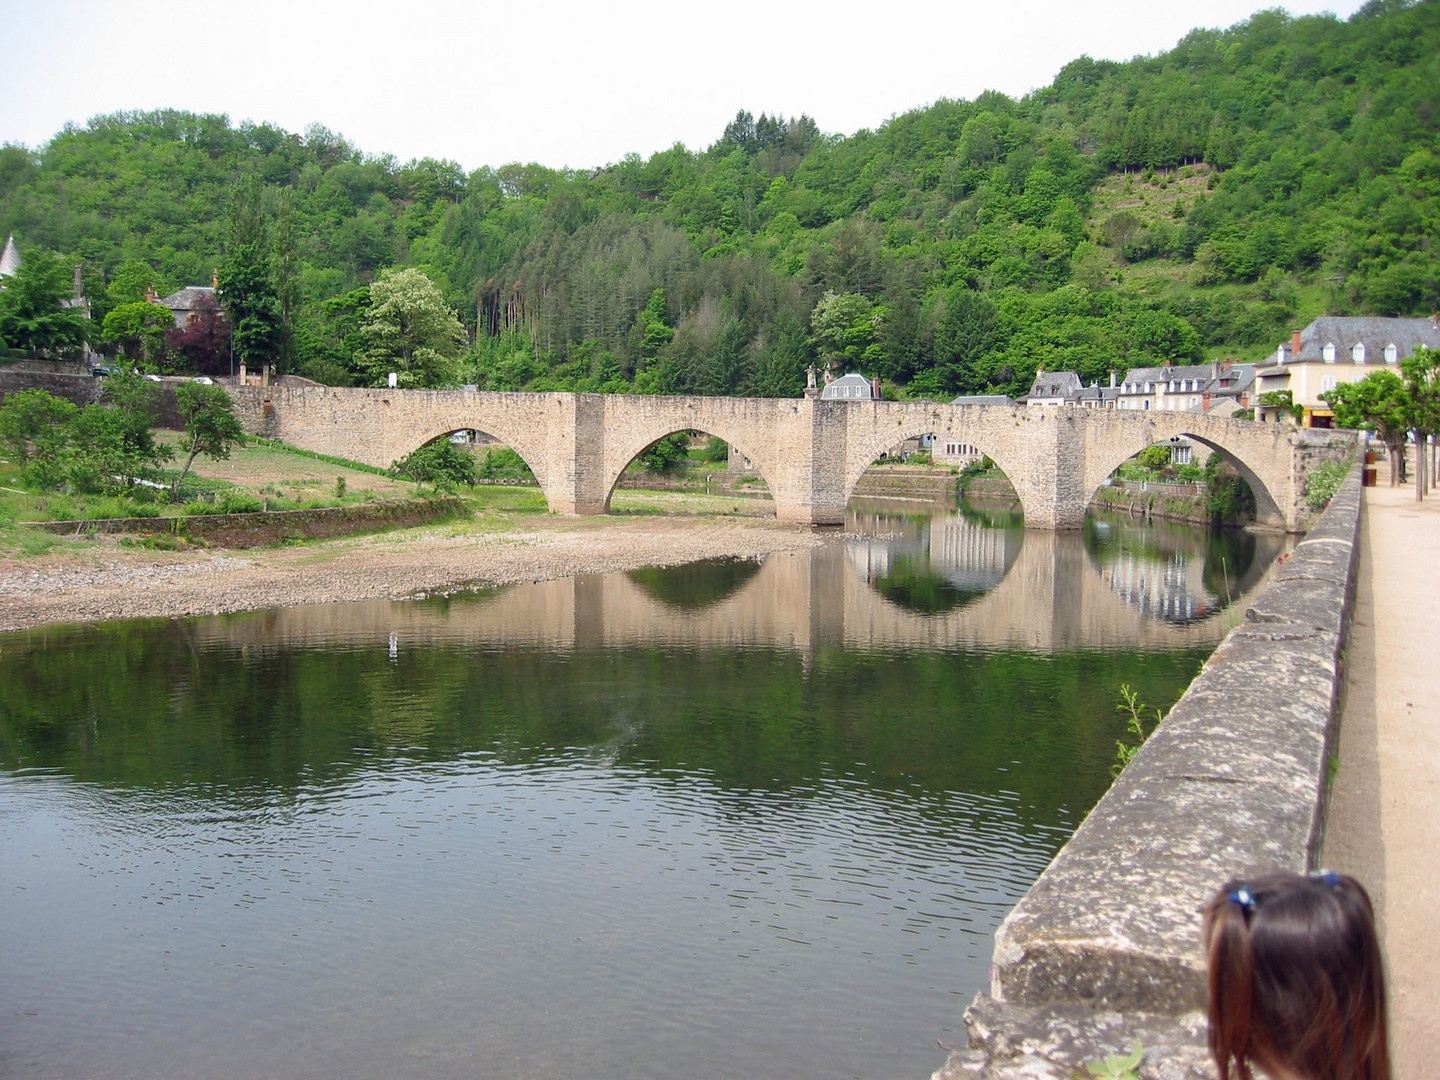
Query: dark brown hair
[[1296, 982]]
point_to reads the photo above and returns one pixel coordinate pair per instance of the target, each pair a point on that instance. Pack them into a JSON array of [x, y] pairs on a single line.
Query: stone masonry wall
[[1105, 946], [810, 453]]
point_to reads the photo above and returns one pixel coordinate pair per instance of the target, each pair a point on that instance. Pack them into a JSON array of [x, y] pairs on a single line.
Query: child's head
[[1296, 985]]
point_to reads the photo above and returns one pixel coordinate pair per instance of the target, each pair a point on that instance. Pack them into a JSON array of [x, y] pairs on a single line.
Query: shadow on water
[[697, 585]]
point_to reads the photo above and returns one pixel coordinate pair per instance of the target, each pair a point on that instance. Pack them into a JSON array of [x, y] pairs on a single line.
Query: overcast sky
[[566, 82]]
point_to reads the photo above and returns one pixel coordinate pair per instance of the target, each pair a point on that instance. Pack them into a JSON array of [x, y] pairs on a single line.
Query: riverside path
[[1383, 824]]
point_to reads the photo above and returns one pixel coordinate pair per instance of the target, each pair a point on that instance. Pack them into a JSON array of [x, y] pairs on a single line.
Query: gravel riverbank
[[107, 581]]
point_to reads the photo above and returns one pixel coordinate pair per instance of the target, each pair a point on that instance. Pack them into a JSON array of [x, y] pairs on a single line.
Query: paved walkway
[[1384, 818]]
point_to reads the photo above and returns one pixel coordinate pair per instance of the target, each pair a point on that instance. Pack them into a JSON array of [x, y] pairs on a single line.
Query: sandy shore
[[107, 581]]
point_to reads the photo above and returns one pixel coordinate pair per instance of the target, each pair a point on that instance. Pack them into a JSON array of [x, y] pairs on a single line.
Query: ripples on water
[[391, 845]]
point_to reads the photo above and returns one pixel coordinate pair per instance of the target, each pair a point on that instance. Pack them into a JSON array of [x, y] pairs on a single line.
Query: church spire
[[9, 258]]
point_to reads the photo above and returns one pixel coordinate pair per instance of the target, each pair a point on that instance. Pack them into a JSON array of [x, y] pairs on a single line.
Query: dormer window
[[1328, 352], [1280, 355], [1357, 352], [1392, 354]]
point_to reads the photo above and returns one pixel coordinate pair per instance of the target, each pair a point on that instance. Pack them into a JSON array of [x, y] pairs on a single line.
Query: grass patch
[[311, 455], [17, 540]]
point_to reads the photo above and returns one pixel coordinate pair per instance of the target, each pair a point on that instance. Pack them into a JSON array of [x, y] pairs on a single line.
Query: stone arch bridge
[[810, 453]]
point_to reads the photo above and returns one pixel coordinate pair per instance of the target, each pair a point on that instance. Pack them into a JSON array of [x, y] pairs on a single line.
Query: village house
[[1053, 388], [851, 387], [1334, 350], [1218, 389]]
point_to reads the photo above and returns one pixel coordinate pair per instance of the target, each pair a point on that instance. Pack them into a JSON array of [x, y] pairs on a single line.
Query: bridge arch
[[527, 443], [867, 448], [1233, 439], [623, 450]]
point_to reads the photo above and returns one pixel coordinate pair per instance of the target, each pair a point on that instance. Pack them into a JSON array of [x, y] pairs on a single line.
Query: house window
[[1357, 352], [1391, 353], [1328, 352], [1327, 383]]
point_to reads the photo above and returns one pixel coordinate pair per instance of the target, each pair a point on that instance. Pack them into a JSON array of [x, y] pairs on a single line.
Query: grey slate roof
[[1233, 380], [858, 387], [9, 258], [1053, 384], [1373, 332], [184, 299], [983, 399]]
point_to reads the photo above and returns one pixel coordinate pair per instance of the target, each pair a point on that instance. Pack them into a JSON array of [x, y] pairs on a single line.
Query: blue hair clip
[[1328, 877], [1244, 897]]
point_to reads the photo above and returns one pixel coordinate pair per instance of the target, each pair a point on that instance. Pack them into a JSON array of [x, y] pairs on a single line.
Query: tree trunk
[[1421, 463]]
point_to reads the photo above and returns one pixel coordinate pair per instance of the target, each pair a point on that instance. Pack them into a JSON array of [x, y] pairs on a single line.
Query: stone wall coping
[[1233, 783]]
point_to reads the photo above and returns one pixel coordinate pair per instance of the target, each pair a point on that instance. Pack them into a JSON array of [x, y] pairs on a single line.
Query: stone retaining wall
[[274, 526], [1104, 948]]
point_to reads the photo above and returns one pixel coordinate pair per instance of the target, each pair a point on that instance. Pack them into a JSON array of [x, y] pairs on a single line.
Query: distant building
[[1334, 350], [851, 387], [9, 259], [1054, 388], [183, 302], [1096, 396], [1217, 388]]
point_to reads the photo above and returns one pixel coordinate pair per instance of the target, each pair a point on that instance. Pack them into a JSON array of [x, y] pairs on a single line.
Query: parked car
[[152, 378], [100, 369], [203, 380]]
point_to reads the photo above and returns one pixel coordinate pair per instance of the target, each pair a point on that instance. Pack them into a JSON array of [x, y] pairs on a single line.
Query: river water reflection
[[733, 819]]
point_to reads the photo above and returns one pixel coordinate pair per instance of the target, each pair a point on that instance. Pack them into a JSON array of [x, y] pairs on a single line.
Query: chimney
[[150, 296], [875, 387], [1435, 321], [215, 280], [1294, 344], [1112, 378]]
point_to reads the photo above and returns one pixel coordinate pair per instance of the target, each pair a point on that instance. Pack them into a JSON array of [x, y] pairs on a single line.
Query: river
[[734, 819]]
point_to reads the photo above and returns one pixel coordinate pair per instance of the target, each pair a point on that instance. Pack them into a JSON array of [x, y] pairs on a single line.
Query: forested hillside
[[1194, 204]]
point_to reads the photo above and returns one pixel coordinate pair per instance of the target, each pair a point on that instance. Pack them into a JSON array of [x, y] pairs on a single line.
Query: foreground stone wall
[[1105, 948]]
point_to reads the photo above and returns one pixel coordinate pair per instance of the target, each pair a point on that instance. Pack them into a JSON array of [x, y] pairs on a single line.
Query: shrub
[[441, 463], [1322, 483]]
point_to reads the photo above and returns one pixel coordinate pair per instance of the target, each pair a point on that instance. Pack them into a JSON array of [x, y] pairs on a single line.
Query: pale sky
[[563, 83]]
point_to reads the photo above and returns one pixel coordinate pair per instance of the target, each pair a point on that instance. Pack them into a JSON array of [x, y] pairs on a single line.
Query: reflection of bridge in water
[[1020, 589]]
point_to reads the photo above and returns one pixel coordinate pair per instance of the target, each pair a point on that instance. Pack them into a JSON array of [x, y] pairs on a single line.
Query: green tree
[[139, 329], [1379, 403], [667, 452], [440, 463], [248, 295], [211, 427], [133, 282], [1421, 372], [409, 329], [113, 444], [847, 330], [35, 431], [35, 315]]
